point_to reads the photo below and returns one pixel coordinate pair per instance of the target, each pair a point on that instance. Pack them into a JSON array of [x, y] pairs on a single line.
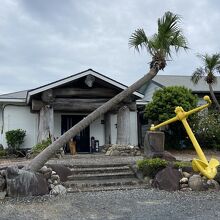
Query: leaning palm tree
[[211, 67], [159, 46]]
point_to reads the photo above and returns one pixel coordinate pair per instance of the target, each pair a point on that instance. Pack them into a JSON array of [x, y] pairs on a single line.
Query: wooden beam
[[84, 93], [47, 96], [36, 105]]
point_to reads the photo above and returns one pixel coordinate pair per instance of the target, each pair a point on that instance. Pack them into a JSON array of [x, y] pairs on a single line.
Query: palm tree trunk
[[46, 154], [213, 97]]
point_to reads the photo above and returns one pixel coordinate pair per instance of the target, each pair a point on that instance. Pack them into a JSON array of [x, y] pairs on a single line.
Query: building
[[50, 110]]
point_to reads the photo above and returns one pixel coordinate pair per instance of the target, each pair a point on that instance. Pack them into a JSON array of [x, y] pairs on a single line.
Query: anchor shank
[[194, 141], [153, 128]]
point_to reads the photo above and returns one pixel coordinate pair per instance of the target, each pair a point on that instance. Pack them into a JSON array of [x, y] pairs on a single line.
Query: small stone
[[115, 153], [53, 172], [49, 181], [2, 195], [138, 153], [213, 185], [47, 175], [51, 186], [188, 189], [125, 154], [184, 185], [184, 180], [147, 179], [58, 190], [55, 182], [54, 177], [187, 175], [44, 169]]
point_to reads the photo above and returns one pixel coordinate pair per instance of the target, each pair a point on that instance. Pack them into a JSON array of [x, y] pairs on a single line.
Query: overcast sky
[[45, 40]]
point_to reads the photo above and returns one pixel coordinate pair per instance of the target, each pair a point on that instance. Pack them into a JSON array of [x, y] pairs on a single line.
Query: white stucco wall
[[16, 117], [97, 130]]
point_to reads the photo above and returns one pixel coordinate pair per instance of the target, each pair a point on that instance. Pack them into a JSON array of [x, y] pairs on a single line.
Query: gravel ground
[[127, 205]]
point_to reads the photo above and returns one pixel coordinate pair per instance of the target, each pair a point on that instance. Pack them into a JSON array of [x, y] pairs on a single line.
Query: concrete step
[[102, 175], [80, 184], [106, 188], [93, 170], [96, 165]]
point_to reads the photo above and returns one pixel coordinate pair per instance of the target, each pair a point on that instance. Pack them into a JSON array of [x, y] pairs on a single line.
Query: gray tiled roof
[[15, 95], [179, 80]]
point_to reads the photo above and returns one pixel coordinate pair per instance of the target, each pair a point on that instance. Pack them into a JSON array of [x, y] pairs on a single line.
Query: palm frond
[[197, 75], [138, 40]]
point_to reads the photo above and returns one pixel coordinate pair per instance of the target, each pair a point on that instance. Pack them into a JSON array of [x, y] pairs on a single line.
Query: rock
[[49, 181], [187, 169], [187, 189], [55, 182], [167, 179], [217, 177], [53, 172], [164, 155], [58, 190], [25, 183], [213, 185], [47, 175], [184, 180], [2, 195], [147, 180], [115, 153], [61, 170], [184, 185], [125, 154], [187, 175], [3, 173], [2, 183], [138, 153], [51, 186], [196, 183], [44, 169], [54, 177]]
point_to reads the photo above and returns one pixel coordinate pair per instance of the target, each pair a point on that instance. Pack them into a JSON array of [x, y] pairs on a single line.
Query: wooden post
[[123, 126], [46, 123], [107, 119]]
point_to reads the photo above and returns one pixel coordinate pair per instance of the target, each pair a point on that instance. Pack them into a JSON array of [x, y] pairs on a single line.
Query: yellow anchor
[[208, 169]]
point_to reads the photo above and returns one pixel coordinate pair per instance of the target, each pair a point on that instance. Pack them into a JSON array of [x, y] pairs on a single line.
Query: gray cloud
[[45, 40]]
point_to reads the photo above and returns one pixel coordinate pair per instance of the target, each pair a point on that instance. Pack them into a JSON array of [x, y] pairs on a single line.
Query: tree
[[168, 36], [162, 107], [211, 67]]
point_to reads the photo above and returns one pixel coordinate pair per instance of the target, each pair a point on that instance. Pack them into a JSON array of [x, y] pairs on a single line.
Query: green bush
[[207, 129], [181, 164], [3, 153], [15, 139], [150, 167], [161, 108], [40, 146]]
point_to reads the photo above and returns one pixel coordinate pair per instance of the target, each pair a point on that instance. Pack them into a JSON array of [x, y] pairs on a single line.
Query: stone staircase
[[104, 177]]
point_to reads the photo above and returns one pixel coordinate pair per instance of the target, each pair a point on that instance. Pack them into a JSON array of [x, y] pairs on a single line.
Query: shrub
[[40, 146], [181, 164], [161, 108], [207, 129], [150, 167], [15, 139], [3, 153]]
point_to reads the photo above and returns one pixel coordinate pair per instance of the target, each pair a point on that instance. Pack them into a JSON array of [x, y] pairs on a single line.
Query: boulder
[[196, 183], [2, 183], [62, 171], [167, 179], [165, 155], [213, 185], [25, 183], [2, 195], [58, 190], [187, 175]]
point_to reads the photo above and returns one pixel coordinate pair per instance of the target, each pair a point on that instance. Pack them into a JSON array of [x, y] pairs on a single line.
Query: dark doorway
[[82, 139]]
